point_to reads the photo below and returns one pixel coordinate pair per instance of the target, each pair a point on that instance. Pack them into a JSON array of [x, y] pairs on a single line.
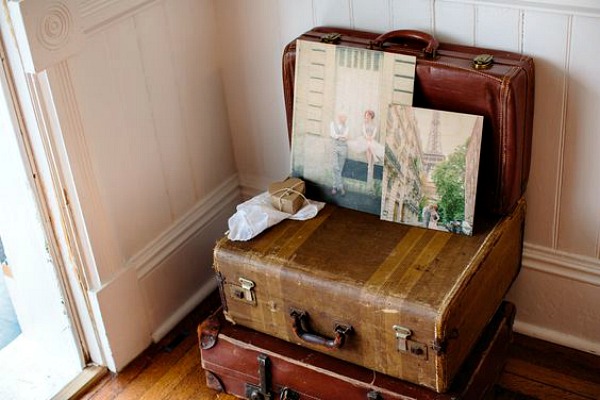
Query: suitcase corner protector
[[208, 331], [213, 382]]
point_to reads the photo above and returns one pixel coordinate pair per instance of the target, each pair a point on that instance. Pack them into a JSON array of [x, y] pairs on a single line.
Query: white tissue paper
[[257, 214]]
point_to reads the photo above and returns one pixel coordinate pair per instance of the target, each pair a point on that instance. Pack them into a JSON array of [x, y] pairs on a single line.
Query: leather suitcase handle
[[303, 332], [431, 43]]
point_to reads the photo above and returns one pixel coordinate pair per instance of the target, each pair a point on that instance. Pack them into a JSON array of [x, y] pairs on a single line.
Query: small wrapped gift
[[287, 196]]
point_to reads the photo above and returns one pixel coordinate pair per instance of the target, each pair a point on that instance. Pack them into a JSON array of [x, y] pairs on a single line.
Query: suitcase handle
[[302, 330], [431, 43]]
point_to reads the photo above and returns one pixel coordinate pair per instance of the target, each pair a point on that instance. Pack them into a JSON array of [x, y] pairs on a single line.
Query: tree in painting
[[449, 178]]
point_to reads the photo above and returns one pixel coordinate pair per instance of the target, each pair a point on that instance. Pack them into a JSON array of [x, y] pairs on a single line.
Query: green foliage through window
[[449, 178]]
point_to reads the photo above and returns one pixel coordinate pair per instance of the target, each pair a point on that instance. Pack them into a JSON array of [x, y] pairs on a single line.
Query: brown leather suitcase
[[448, 79], [402, 300], [252, 365]]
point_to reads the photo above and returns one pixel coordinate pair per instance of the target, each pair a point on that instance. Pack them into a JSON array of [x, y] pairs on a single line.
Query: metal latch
[[483, 61], [331, 38], [244, 291], [262, 391], [402, 335], [406, 345]]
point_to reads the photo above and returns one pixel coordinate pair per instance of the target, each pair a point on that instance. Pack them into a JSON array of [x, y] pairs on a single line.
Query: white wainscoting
[[165, 281], [563, 221], [131, 94]]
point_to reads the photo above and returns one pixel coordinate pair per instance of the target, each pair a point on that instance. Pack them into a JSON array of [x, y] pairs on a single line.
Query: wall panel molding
[[51, 31], [54, 30], [571, 266], [65, 124], [98, 14], [158, 250]]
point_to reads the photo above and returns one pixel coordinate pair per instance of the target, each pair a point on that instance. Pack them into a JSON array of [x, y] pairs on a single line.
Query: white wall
[[134, 110], [558, 290]]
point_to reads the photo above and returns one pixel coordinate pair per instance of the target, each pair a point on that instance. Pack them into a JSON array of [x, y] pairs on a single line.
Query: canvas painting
[[340, 108], [430, 168]]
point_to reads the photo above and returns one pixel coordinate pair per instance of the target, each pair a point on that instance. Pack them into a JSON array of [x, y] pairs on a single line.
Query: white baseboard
[[159, 249], [556, 337], [184, 310], [557, 295]]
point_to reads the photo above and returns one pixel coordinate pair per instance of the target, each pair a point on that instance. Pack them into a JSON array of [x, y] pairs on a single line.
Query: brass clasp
[[331, 38], [483, 61]]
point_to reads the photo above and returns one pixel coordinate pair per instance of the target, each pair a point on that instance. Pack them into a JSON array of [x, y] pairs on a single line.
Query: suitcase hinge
[[221, 286], [439, 346]]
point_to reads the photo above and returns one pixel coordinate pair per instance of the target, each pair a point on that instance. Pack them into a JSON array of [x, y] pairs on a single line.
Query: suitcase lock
[[331, 38], [483, 61], [402, 334], [243, 292], [406, 345]]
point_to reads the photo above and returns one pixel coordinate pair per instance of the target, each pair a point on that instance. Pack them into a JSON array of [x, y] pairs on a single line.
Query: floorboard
[[171, 370]]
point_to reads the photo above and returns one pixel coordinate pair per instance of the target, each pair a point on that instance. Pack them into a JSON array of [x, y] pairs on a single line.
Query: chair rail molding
[[182, 230], [562, 264]]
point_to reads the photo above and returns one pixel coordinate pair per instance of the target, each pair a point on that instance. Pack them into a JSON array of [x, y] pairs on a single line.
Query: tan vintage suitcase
[[401, 300], [252, 365]]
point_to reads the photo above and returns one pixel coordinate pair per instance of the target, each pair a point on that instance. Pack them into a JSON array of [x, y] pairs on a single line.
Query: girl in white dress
[[367, 143]]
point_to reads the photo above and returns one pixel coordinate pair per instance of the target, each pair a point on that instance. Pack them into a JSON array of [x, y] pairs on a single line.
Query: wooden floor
[[171, 370]]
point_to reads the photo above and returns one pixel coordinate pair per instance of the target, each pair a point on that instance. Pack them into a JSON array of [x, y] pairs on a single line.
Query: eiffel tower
[[433, 155]]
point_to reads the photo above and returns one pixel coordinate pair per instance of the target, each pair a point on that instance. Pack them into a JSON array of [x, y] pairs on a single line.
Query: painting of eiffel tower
[[430, 168], [432, 157]]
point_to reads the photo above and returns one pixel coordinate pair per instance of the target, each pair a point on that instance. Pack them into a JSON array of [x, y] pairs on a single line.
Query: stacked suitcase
[[348, 306]]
